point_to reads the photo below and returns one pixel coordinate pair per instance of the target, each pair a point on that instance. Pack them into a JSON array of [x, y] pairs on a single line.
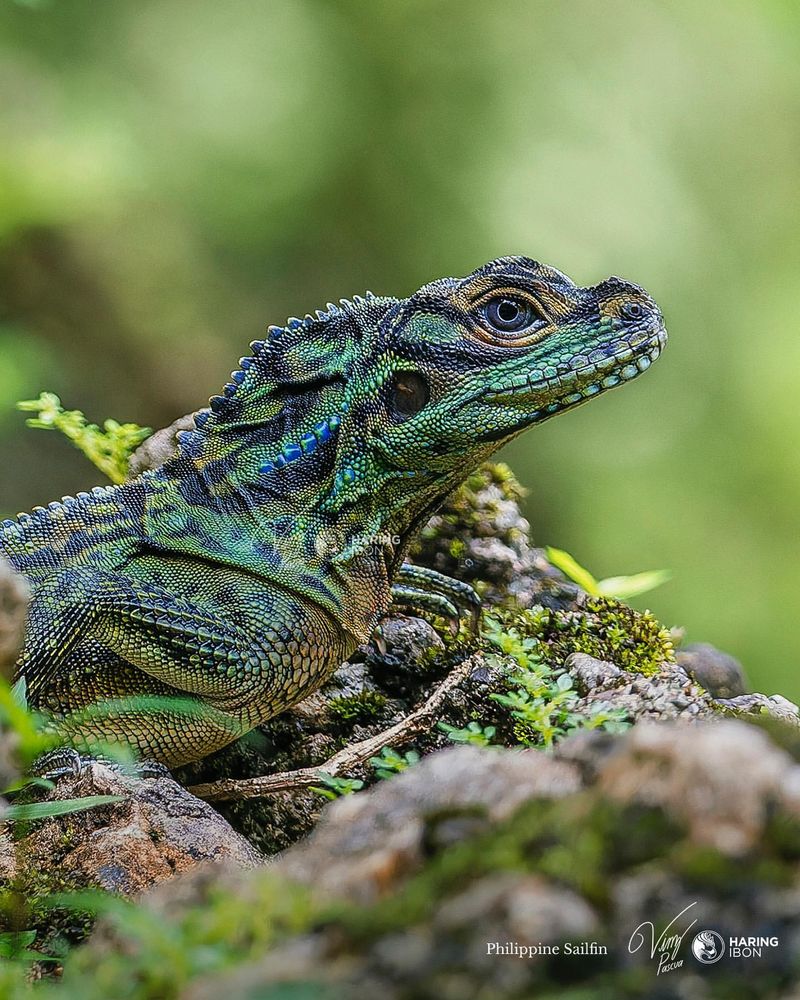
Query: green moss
[[605, 629], [365, 707], [493, 474], [575, 841], [457, 548], [470, 511]]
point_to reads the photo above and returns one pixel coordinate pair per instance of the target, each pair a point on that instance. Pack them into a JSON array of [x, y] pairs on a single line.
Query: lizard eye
[[507, 314], [632, 310], [408, 394]]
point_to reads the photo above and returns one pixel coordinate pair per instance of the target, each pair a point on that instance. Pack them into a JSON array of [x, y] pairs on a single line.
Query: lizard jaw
[[565, 390]]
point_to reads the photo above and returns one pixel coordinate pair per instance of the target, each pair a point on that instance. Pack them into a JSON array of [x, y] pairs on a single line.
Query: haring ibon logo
[[708, 947]]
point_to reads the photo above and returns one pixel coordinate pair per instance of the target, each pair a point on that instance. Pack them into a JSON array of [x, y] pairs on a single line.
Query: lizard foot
[[425, 589], [66, 762]]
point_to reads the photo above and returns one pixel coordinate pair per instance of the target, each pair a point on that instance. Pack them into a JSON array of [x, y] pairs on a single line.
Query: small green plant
[[620, 587], [521, 644], [109, 447], [333, 788], [15, 946], [473, 733], [390, 762], [541, 704], [598, 716], [540, 695]]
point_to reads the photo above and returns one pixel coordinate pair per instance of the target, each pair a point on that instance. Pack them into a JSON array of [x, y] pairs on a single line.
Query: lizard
[[177, 611]]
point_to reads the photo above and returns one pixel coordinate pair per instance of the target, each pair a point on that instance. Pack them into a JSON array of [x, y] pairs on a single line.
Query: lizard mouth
[[563, 390]]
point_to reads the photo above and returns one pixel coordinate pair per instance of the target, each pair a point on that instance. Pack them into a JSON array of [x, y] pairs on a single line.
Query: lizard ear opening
[[409, 393]]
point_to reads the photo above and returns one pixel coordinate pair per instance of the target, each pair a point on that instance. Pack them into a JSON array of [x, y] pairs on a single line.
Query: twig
[[345, 760]]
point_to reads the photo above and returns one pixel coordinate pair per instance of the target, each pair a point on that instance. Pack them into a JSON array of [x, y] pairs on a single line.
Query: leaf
[[12, 941], [623, 587], [332, 787], [19, 692], [46, 810], [572, 568], [96, 901], [619, 587], [326, 792], [15, 947], [32, 956], [28, 782]]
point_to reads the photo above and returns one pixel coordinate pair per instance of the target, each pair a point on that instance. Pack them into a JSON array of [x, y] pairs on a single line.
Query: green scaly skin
[[238, 575]]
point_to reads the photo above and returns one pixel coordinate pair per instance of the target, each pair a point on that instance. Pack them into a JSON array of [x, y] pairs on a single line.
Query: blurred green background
[[175, 175]]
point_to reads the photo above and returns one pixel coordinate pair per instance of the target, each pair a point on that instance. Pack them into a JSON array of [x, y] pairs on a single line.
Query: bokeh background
[[174, 176]]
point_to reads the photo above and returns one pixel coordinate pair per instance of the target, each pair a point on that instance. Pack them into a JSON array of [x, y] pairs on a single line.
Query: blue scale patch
[[307, 445]]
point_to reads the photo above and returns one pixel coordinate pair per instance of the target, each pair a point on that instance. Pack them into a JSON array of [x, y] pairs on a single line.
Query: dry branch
[[346, 759]]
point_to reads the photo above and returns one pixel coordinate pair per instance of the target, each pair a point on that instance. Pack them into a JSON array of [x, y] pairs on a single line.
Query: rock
[[14, 595], [590, 673], [782, 706], [8, 858], [667, 695], [775, 706], [160, 446], [158, 830], [720, 782], [720, 674], [404, 645], [431, 884], [365, 844]]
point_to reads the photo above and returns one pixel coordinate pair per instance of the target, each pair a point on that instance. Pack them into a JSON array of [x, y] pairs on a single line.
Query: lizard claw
[[426, 589], [66, 762], [379, 640]]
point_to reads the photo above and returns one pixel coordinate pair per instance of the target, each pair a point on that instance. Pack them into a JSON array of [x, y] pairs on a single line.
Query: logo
[[329, 542], [708, 947], [664, 947]]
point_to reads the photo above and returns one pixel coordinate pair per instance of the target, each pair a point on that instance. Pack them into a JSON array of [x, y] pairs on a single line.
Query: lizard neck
[[380, 514]]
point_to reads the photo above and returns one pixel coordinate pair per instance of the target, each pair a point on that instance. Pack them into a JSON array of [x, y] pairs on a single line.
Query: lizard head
[[464, 365], [381, 406]]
